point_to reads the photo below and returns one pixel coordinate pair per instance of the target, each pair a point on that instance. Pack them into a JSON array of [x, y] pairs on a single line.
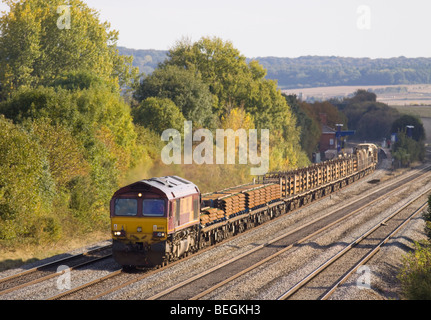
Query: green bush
[[27, 188], [415, 275], [84, 142], [407, 150]]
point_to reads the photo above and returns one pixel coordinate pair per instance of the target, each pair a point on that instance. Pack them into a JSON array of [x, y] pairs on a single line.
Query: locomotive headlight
[[121, 233], [158, 234]]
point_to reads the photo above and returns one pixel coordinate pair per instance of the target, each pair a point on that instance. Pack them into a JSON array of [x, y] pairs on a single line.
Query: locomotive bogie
[[139, 254]]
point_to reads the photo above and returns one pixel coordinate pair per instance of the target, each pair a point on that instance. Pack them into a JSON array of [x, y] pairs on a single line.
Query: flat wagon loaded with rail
[[159, 220]]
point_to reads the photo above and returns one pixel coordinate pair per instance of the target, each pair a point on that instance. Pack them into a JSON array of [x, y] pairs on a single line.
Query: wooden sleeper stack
[[209, 215], [238, 199]]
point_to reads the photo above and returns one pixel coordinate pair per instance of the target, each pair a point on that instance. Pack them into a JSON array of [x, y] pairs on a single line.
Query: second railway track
[[50, 270], [202, 284], [324, 280], [133, 286]]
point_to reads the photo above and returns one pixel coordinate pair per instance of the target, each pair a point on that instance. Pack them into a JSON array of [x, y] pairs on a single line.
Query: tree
[[101, 126], [400, 124], [158, 115], [333, 116], [226, 72], [221, 65], [362, 95], [36, 46], [80, 111], [80, 80], [185, 88], [308, 121], [372, 120], [238, 84], [415, 275], [237, 119], [57, 141], [407, 150]]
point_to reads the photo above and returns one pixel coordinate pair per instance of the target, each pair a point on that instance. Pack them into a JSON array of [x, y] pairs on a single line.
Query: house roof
[[327, 130]]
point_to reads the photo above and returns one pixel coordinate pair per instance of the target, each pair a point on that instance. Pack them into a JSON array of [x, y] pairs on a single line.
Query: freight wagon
[[160, 220]]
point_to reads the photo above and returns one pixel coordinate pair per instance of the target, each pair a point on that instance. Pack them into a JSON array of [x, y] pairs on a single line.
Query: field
[[407, 99], [397, 95]]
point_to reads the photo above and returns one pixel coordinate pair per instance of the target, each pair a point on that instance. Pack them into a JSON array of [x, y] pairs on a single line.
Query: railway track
[[202, 284], [117, 280], [206, 282], [324, 280], [50, 270]]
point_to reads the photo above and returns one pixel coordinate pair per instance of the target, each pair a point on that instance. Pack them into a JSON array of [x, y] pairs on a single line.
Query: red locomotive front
[[154, 221]]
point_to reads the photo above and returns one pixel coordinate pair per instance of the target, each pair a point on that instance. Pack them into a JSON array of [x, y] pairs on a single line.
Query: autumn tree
[[232, 80], [26, 185], [57, 141], [308, 120], [67, 135], [41, 39], [238, 84], [88, 141]]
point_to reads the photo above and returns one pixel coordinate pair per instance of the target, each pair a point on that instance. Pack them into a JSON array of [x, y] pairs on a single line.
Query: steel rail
[[115, 288], [52, 263], [373, 252], [52, 275], [85, 285], [341, 253], [185, 282]]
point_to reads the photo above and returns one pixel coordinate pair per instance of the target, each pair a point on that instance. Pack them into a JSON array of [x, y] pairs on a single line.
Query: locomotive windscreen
[[126, 207], [153, 208]]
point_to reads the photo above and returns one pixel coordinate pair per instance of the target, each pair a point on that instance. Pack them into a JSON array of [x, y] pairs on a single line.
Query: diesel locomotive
[[154, 221], [159, 220]]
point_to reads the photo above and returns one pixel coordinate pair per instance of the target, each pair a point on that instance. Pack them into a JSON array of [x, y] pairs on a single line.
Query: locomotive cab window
[[126, 207], [153, 207]]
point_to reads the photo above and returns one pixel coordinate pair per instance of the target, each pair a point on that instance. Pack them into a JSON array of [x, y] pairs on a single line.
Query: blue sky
[[288, 28]]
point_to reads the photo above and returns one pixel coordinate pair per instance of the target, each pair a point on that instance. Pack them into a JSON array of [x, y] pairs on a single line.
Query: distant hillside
[[318, 71], [145, 60]]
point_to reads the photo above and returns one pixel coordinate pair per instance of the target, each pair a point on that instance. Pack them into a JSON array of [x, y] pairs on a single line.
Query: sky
[[280, 28]]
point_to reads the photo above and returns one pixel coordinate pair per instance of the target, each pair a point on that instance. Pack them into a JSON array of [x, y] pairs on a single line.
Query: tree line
[[372, 121], [319, 71], [78, 120]]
